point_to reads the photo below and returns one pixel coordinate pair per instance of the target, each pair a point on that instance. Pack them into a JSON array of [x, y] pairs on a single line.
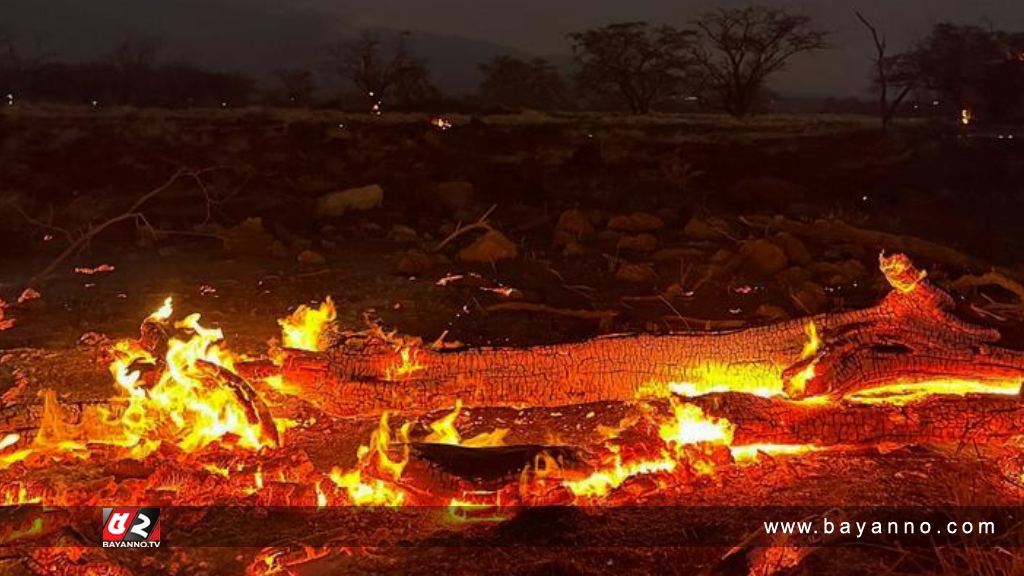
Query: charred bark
[[911, 336]]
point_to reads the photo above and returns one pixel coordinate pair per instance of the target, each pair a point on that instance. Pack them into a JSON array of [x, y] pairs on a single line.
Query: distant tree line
[[721, 61], [130, 75], [977, 71]]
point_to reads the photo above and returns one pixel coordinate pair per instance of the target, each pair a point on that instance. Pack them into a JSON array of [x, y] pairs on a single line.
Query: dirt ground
[[616, 224], [65, 171]]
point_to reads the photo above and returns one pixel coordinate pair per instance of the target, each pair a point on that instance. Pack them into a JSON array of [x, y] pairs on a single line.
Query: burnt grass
[[64, 170]]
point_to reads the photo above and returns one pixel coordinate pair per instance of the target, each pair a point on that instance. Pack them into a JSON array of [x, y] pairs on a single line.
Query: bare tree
[[740, 48], [363, 62], [511, 82], [891, 71], [133, 61], [639, 63]]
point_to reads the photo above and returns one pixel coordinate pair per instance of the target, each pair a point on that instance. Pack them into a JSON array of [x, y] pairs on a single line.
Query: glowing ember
[[196, 398], [688, 438], [443, 431], [407, 364], [901, 393], [375, 459], [691, 426], [306, 328], [756, 379], [752, 452]]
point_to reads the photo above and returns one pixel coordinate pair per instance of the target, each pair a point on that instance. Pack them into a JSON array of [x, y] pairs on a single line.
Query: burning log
[[910, 339]]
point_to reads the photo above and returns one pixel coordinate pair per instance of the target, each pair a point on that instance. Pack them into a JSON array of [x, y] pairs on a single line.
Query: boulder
[[415, 263], [575, 222], [698, 228], [489, 248], [795, 250], [310, 257], [771, 313], [248, 237], [403, 234], [642, 243], [350, 200], [573, 248], [455, 195], [646, 222], [761, 259], [636, 222], [571, 227], [636, 273], [809, 297], [839, 273]]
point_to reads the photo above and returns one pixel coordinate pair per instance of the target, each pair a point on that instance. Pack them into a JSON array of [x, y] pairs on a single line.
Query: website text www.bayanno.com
[[862, 528]]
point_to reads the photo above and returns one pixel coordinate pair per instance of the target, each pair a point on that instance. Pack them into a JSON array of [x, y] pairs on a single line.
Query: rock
[[489, 248], [771, 313], [761, 259], [646, 222], [573, 248], [636, 273], [676, 254], [721, 256], [794, 248], [310, 257], [676, 292], [572, 226], [415, 263], [278, 249], [703, 229], [809, 297], [636, 222], [841, 273], [403, 234], [352, 199], [793, 276], [575, 222], [621, 222], [249, 237], [640, 243], [454, 195]]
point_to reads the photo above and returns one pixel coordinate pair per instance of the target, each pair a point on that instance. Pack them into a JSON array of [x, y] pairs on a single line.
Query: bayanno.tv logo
[[131, 527]]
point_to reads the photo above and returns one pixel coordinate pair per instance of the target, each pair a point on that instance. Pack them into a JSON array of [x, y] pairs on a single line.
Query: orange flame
[[189, 404], [407, 364], [900, 272], [376, 459], [443, 431], [306, 328]]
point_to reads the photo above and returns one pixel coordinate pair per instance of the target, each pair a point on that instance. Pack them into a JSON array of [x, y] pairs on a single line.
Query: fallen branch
[[911, 336], [132, 213], [601, 315], [480, 224]]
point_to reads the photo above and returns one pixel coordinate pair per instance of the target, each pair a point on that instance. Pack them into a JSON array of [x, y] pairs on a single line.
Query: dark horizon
[[257, 36]]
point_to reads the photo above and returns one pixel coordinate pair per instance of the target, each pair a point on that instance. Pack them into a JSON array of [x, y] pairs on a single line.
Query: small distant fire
[[441, 123]]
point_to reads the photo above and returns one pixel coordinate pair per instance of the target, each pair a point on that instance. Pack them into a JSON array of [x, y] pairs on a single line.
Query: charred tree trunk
[[911, 336]]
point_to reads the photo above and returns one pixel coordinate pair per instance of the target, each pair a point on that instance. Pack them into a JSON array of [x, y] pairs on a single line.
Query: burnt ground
[[705, 261], [74, 169]]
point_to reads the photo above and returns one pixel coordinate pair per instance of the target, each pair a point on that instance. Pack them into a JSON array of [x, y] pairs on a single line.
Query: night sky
[[258, 35]]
